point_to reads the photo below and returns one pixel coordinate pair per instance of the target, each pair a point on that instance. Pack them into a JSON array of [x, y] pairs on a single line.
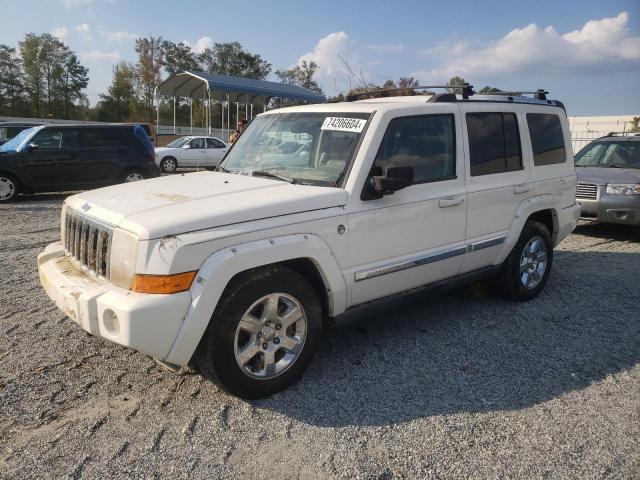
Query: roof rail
[[621, 134], [467, 91]]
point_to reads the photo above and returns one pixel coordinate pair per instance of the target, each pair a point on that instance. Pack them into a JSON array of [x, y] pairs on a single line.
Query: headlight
[[124, 252], [623, 189]]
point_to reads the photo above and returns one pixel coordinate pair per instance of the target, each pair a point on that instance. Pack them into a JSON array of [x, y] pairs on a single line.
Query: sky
[[585, 53]]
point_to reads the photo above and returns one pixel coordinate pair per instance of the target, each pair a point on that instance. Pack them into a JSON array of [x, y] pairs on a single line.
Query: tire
[[168, 165], [9, 188], [132, 176], [524, 274], [235, 358]]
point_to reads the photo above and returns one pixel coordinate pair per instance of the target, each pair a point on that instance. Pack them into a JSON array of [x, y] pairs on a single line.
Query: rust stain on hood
[[172, 197]]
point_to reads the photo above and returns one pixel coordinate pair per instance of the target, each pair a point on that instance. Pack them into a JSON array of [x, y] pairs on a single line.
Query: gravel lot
[[452, 386]]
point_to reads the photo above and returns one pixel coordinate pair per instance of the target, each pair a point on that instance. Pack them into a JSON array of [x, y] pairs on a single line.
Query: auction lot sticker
[[344, 124]]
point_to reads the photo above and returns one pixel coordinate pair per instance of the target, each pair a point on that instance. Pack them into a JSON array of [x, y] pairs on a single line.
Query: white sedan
[[191, 151]]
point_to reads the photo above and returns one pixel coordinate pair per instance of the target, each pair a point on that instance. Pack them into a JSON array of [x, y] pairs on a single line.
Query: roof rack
[[467, 91], [621, 134]]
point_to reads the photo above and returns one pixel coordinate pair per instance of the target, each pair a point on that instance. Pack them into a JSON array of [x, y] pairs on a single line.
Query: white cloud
[[85, 30], [121, 36], [61, 32], [332, 72], [100, 56], [69, 4], [599, 46], [384, 48], [201, 44]]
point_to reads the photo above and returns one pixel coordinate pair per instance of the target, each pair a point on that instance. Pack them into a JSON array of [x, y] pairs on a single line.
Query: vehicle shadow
[[608, 231], [470, 351]]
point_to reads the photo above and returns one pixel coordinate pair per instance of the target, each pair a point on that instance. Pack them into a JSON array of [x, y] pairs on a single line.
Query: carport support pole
[[174, 114], [157, 95], [191, 114], [237, 113], [228, 115], [209, 112]]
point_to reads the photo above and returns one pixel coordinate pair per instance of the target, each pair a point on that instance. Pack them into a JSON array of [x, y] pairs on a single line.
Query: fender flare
[[526, 208], [219, 268]]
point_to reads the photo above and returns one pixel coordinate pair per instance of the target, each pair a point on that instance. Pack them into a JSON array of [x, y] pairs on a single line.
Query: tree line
[[44, 78]]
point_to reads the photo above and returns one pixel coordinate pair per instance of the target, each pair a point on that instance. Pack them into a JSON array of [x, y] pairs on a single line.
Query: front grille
[[587, 191], [88, 242]]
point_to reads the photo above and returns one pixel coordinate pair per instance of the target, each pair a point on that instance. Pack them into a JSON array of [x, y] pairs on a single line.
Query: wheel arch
[[542, 208], [306, 254]]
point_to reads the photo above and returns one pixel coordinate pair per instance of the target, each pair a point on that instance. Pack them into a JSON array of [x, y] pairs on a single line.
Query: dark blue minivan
[[53, 158]]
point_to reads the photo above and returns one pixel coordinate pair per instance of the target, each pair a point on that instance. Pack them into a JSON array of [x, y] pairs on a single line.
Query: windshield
[[610, 154], [306, 147], [178, 142], [13, 144]]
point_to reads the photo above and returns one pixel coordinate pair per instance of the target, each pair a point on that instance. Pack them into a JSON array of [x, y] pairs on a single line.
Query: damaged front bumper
[[148, 323]]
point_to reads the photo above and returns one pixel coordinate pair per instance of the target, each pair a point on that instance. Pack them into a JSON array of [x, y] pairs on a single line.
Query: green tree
[[489, 89], [120, 102], [635, 128], [148, 70], [53, 76], [232, 59], [12, 95], [455, 82], [31, 53], [75, 80], [177, 57], [302, 76]]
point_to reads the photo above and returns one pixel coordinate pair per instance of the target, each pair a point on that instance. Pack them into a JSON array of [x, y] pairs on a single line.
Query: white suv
[[316, 209]]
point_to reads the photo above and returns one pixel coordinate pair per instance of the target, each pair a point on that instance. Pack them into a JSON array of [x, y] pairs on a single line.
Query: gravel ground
[[462, 385]]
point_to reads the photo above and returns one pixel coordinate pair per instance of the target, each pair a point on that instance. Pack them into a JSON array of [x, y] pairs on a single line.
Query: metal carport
[[225, 89]]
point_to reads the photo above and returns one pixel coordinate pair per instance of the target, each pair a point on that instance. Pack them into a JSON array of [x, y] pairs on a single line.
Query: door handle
[[521, 188], [450, 202]]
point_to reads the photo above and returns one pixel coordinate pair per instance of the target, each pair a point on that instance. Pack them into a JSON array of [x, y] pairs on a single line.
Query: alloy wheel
[[270, 336], [533, 262]]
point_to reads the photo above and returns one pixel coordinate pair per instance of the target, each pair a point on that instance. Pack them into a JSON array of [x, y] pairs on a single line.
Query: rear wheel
[[133, 176], [9, 188], [525, 272], [168, 165], [263, 334]]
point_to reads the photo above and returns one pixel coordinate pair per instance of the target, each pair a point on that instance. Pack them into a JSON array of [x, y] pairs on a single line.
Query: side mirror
[[396, 178], [32, 147], [186, 146]]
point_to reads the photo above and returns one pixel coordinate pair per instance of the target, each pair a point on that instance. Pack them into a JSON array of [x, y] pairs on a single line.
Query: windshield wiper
[[613, 165], [264, 173]]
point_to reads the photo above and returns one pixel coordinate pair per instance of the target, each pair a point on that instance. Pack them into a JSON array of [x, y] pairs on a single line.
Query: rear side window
[[547, 140], [426, 143], [103, 137], [213, 143], [494, 143]]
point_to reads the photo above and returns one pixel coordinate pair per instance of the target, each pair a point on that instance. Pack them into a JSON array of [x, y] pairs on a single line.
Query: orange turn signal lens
[[163, 283]]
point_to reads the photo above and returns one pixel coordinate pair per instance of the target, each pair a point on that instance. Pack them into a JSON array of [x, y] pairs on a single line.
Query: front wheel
[[132, 176], [525, 272], [263, 334], [168, 165]]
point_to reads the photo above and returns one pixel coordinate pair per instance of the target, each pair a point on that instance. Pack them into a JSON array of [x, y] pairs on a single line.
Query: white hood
[[178, 204]]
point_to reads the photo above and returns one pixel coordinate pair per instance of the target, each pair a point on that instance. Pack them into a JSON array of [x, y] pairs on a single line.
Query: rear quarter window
[[547, 140]]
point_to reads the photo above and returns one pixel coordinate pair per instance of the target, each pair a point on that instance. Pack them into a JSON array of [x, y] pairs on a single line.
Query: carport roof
[[194, 84]]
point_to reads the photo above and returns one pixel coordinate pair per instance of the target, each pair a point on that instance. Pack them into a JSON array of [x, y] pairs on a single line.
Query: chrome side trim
[[492, 242], [426, 259], [410, 263]]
